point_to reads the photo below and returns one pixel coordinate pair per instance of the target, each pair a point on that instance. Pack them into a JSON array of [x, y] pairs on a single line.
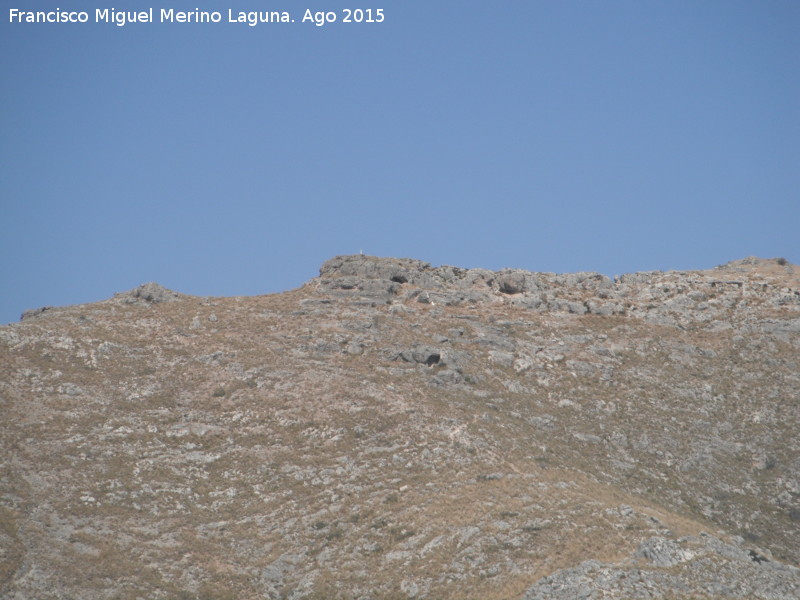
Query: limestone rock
[[675, 568], [393, 429], [148, 293]]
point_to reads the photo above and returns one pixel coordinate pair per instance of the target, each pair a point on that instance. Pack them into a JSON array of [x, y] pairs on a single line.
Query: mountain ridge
[[393, 429]]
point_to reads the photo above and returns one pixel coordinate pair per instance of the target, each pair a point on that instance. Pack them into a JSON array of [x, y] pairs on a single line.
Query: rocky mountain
[[397, 430]]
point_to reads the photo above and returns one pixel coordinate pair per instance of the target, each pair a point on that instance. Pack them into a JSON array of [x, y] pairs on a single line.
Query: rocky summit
[[396, 430]]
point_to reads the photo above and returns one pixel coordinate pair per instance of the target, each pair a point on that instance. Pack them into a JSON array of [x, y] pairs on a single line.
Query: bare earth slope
[[395, 430]]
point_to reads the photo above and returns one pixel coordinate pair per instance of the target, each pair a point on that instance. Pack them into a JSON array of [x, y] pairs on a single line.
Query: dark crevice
[[432, 360]]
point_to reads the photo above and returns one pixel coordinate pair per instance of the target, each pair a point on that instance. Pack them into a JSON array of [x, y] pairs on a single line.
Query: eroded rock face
[[670, 298], [393, 429]]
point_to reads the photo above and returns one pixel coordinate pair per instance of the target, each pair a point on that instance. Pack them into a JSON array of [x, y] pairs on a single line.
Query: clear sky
[[223, 159]]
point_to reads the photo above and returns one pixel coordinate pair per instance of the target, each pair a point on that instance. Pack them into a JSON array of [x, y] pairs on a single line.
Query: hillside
[[396, 430]]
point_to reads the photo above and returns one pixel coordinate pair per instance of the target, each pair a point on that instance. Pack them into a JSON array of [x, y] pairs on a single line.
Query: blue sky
[[220, 159]]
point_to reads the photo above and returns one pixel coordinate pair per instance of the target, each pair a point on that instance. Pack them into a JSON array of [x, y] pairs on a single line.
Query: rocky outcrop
[[145, 294], [664, 298], [148, 293], [32, 313], [690, 567]]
